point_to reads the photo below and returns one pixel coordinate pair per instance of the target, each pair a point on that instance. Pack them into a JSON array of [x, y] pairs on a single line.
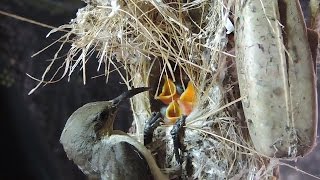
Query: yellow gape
[[177, 105], [169, 92], [187, 99], [173, 112]]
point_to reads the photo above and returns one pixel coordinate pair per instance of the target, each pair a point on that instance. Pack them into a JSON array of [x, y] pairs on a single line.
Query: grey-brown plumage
[[85, 128], [120, 161]]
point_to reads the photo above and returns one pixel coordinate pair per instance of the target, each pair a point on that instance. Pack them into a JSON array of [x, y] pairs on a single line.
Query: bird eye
[[98, 124], [103, 115]]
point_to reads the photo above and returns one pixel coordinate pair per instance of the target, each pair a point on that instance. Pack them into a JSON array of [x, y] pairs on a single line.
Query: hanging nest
[[189, 41]]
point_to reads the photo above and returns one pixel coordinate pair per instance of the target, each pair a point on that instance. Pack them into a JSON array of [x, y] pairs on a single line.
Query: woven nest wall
[[185, 41]]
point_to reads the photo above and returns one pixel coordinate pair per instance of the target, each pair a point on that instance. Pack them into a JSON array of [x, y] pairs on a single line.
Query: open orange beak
[[187, 99], [173, 112], [169, 92]]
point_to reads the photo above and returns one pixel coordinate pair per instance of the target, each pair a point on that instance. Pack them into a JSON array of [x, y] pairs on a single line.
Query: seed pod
[[276, 74]]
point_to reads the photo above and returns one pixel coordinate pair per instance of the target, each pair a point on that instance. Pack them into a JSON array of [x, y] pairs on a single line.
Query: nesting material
[[189, 41]]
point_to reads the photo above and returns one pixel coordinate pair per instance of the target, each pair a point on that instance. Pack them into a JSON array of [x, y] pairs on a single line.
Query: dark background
[[31, 125]]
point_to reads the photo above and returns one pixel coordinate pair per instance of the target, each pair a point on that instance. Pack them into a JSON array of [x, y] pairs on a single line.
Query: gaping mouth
[[178, 105], [169, 92], [173, 112]]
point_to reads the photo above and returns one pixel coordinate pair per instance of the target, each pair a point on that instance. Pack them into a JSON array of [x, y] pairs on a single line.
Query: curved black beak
[[128, 94]]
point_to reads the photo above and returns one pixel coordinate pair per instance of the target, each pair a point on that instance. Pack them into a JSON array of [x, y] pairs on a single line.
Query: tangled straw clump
[[184, 41]]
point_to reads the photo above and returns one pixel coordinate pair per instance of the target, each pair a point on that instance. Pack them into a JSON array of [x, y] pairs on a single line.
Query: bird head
[[87, 125], [105, 119]]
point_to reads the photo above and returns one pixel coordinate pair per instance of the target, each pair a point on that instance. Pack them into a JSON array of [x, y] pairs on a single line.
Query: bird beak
[[169, 92], [173, 112], [128, 94], [187, 99]]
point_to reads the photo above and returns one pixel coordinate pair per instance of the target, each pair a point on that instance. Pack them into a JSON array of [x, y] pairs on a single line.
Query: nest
[[186, 41]]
